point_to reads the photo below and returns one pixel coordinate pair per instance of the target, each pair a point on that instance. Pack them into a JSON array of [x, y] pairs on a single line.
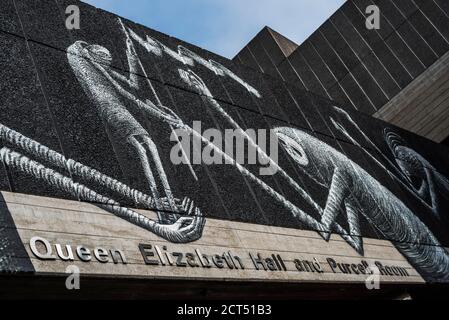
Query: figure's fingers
[[340, 110], [163, 202], [195, 220], [186, 219], [185, 206], [193, 225], [184, 202], [197, 78], [197, 230], [189, 208], [198, 212], [183, 221], [188, 229], [177, 204], [199, 220], [192, 206], [203, 220], [197, 223], [198, 216]]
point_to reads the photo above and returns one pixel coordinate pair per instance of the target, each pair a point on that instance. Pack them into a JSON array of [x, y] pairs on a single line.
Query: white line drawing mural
[[384, 222], [424, 178], [352, 191], [186, 229], [413, 171], [90, 64], [187, 57], [352, 188]]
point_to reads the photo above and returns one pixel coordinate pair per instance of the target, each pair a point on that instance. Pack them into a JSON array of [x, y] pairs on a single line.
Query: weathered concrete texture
[[367, 69], [13, 256], [24, 108], [423, 106], [43, 22], [9, 20]]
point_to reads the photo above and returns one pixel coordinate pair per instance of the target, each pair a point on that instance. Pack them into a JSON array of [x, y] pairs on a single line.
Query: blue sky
[[224, 26]]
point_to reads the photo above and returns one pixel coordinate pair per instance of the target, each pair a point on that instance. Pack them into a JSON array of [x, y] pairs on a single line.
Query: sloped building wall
[[89, 115], [369, 69]]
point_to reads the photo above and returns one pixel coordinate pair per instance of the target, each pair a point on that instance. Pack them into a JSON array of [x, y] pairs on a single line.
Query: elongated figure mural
[[352, 188], [129, 105]]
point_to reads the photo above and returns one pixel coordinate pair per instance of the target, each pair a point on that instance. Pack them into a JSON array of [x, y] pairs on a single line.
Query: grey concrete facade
[[365, 69]]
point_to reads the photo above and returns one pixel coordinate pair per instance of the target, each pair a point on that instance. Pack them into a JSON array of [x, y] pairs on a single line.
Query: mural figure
[[186, 229], [91, 64], [348, 183], [411, 169], [426, 181], [353, 192]]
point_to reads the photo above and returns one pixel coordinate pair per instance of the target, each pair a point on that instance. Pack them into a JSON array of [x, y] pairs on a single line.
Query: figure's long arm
[[303, 217], [22, 163], [340, 128], [45, 154], [145, 107], [432, 191], [197, 83], [133, 80]]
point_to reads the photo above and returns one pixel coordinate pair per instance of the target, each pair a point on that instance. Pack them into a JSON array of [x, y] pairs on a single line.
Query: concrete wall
[[367, 69], [87, 115]]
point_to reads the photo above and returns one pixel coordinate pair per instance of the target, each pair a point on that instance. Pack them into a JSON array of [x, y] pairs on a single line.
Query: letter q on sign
[[47, 253], [73, 19]]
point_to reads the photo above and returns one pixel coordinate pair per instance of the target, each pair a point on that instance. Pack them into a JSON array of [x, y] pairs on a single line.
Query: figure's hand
[[345, 115], [186, 229], [164, 113], [195, 82], [341, 112]]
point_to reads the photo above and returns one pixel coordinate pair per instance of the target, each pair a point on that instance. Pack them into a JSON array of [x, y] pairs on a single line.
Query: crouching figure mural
[[359, 194]]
